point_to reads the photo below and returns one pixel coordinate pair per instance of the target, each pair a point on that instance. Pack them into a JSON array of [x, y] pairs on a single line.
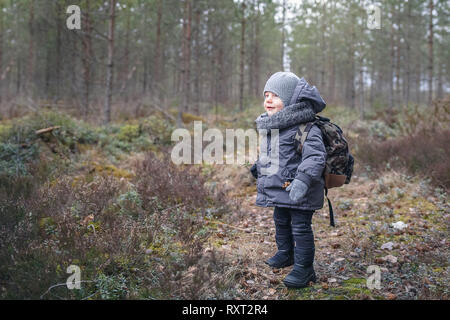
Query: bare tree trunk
[[408, 73], [19, 77], [215, 82], [87, 59], [418, 80], [144, 77], [351, 81], [430, 55], [241, 67], [256, 53], [30, 71], [251, 43], [48, 63], [197, 90], [126, 65], [185, 71], [283, 34], [156, 73], [1, 52], [178, 75], [361, 90], [332, 59], [391, 73], [323, 48], [187, 79], [73, 66], [110, 63], [18, 59], [408, 57], [58, 50], [440, 89], [211, 57], [397, 72], [221, 93], [332, 77], [372, 86]]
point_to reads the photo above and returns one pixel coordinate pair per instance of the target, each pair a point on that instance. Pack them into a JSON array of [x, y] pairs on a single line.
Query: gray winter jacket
[[290, 165]]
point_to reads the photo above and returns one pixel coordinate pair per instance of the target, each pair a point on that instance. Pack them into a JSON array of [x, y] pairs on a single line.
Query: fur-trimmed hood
[[304, 104]]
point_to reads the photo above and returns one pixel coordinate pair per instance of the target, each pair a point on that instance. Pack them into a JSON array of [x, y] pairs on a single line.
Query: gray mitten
[[297, 190], [254, 171]]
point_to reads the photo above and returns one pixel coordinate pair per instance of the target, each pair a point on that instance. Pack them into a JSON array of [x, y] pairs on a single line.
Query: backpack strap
[[330, 207], [306, 131], [302, 134]]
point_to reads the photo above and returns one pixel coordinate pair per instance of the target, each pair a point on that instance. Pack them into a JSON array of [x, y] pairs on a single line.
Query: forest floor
[[413, 261], [108, 199]]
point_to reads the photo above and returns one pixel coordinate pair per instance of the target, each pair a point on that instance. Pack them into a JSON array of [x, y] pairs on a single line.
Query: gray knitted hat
[[283, 85]]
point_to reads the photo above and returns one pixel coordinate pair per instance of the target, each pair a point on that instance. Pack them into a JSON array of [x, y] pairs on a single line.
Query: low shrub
[[130, 240], [24, 152], [424, 153]]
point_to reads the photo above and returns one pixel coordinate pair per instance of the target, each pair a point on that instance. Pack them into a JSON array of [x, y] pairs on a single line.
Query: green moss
[[157, 249], [93, 226], [129, 132], [407, 238], [46, 222], [218, 243], [178, 247], [188, 117], [110, 169], [300, 293], [4, 130], [355, 281], [424, 205]]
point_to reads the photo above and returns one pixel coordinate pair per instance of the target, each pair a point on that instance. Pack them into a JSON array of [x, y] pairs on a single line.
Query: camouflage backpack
[[339, 164]]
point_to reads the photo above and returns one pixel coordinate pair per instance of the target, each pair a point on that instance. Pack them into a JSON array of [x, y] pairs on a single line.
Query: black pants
[[294, 227]]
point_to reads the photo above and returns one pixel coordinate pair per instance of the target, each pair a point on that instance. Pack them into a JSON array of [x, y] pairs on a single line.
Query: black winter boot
[[300, 276], [283, 237], [303, 271]]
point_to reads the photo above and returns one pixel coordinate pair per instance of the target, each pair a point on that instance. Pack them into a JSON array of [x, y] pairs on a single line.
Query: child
[[288, 102]]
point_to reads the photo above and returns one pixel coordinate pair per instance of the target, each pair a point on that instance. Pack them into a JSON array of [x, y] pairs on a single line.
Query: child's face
[[272, 103]]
